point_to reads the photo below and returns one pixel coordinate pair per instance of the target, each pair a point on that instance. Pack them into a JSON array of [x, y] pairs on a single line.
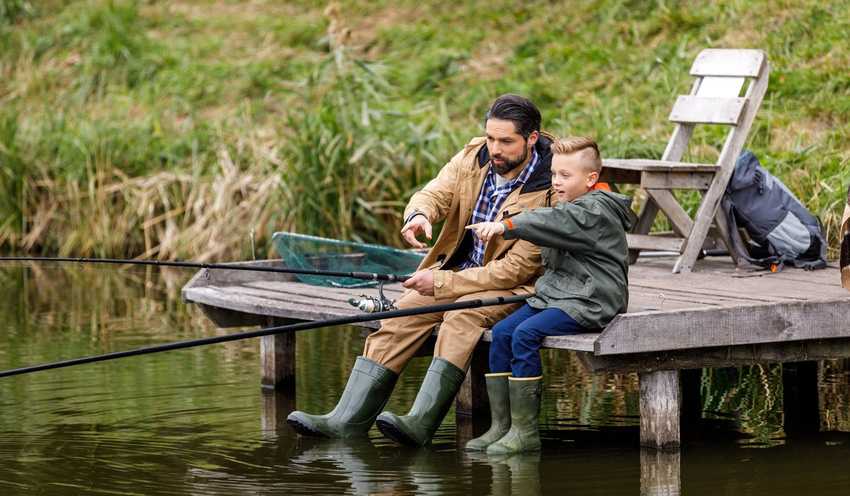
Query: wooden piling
[[472, 398], [660, 409], [277, 359]]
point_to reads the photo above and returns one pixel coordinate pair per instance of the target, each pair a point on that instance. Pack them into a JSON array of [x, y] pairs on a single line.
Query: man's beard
[[509, 165]]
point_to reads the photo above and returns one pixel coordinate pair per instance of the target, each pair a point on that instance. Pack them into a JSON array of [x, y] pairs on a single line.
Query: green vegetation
[[174, 129]]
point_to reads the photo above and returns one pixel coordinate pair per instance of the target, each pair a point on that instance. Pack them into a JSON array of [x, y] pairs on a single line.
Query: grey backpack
[[780, 229]]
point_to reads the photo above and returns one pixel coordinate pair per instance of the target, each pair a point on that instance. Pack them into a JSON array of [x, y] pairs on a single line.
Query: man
[[491, 179]]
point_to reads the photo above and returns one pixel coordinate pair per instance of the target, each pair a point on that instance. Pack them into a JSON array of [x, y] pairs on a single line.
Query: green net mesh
[[312, 252]]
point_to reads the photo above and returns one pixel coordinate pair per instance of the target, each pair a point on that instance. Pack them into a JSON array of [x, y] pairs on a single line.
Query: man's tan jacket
[[451, 196]]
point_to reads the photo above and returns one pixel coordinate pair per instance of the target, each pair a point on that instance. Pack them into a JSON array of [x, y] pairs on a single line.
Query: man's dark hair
[[517, 109]]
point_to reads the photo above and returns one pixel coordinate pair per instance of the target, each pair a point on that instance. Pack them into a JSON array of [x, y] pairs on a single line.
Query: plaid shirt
[[487, 207]]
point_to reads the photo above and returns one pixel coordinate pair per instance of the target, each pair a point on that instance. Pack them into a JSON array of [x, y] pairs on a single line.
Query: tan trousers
[[398, 339]]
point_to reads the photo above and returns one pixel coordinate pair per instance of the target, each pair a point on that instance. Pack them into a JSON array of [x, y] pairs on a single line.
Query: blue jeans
[[517, 339]]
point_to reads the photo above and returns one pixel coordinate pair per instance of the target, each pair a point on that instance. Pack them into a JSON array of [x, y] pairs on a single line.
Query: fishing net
[[312, 252]]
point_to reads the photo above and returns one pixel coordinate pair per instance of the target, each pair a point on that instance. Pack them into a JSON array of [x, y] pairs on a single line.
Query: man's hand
[[422, 281], [486, 230], [415, 226]]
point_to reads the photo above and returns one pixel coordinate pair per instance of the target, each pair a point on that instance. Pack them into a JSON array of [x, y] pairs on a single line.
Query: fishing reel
[[373, 304]]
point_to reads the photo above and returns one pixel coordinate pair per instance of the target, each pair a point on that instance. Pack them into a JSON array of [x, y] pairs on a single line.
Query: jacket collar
[[542, 177]]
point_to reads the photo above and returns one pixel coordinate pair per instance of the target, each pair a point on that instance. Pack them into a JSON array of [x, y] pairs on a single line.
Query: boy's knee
[[501, 333]]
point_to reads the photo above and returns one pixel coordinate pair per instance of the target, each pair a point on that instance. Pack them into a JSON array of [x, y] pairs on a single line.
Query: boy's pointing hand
[[486, 230]]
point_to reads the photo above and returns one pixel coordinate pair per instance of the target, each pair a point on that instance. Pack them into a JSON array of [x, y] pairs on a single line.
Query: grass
[[174, 129]]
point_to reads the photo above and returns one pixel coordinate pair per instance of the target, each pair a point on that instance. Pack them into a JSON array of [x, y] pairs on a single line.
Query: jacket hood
[[620, 205]]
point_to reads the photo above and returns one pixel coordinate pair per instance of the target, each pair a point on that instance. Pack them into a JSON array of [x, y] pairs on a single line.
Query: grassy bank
[[174, 129]]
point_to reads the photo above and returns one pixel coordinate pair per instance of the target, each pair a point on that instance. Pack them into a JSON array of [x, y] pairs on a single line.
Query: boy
[[585, 284]]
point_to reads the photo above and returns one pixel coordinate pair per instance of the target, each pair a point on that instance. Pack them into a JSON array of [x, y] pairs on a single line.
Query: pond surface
[[196, 421]]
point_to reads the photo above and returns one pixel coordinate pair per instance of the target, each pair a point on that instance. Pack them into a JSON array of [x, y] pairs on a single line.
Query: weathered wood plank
[[704, 110], [643, 301], [728, 62], [649, 242], [697, 293], [339, 294], [649, 165], [619, 176], [718, 357], [286, 298], [720, 86], [217, 296], [660, 409], [719, 274], [676, 180], [576, 342], [223, 317], [206, 277], [766, 289], [747, 324]]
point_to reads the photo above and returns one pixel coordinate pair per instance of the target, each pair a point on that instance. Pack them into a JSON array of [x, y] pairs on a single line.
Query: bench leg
[[660, 409], [644, 224], [277, 358]]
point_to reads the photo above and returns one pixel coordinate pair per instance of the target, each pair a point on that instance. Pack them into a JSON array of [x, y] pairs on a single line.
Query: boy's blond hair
[[579, 144]]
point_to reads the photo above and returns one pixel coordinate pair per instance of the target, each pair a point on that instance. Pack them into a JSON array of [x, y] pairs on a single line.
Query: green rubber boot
[[500, 412], [441, 384], [524, 434], [366, 394]]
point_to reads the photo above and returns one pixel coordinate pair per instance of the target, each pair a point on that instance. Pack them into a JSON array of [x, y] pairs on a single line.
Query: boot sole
[[304, 429], [395, 434]]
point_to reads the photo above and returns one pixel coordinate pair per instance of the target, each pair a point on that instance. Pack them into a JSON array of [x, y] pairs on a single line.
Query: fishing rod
[[302, 326], [369, 276]]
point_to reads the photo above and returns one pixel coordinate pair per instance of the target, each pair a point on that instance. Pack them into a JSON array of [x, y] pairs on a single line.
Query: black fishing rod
[[302, 326], [369, 276]]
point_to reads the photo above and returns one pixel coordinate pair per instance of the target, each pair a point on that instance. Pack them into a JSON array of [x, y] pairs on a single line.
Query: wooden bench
[[715, 99]]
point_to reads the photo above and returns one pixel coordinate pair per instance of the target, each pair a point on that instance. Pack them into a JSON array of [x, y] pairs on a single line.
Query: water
[[196, 421]]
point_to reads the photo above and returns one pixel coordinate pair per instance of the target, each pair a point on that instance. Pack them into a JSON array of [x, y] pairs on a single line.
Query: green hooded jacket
[[585, 255]]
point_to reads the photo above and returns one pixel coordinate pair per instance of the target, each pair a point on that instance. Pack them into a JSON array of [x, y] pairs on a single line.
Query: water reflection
[[197, 422], [660, 473], [276, 406]]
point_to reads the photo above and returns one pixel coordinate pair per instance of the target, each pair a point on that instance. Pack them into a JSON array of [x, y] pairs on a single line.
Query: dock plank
[[644, 332], [575, 342], [391, 291], [252, 304]]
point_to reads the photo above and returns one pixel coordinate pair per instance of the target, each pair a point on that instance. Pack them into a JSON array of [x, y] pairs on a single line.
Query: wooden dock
[[716, 316]]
